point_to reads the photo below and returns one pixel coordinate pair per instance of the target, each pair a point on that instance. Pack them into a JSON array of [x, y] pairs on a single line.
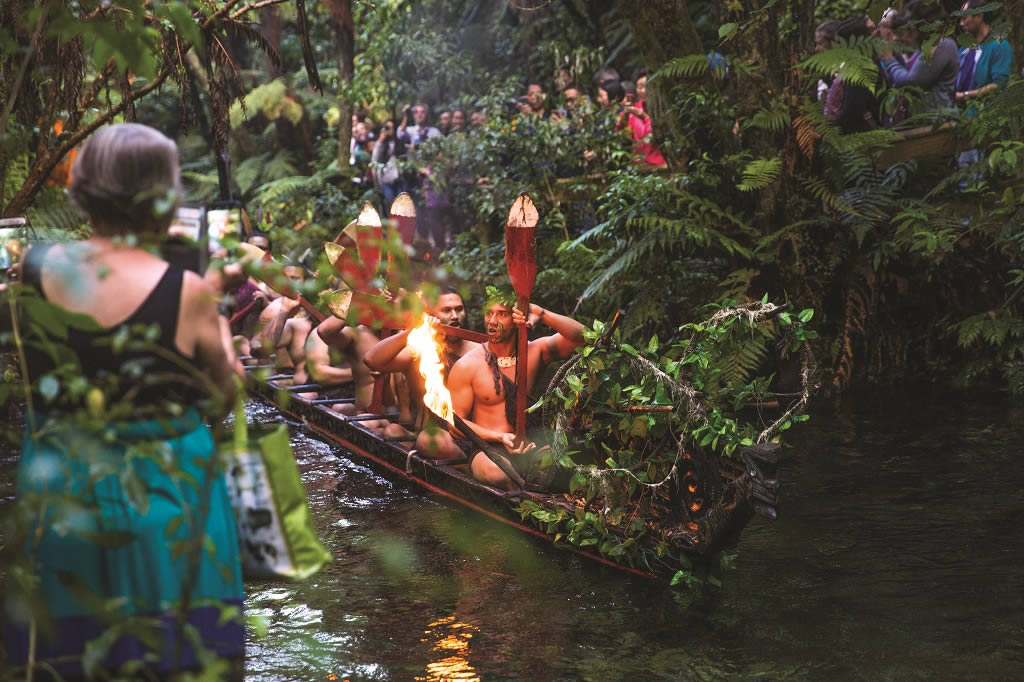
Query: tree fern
[[741, 359], [15, 175], [52, 209], [623, 261]]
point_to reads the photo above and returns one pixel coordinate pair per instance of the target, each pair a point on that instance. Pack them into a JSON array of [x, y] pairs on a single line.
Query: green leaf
[[806, 314], [639, 427], [629, 349], [726, 30]]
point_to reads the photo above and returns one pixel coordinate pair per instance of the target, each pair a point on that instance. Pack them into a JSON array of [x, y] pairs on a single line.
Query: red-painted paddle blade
[[520, 254], [521, 258], [403, 212], [358, 263], [358, 307]]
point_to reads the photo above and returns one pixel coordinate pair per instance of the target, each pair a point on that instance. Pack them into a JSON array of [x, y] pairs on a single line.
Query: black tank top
[[122, 361]]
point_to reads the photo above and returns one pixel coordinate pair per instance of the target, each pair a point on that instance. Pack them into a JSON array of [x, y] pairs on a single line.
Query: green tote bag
[[275, 527]]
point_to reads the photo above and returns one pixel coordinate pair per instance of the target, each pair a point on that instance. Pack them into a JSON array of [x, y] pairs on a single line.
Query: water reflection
[[895, 556], [453, 645]]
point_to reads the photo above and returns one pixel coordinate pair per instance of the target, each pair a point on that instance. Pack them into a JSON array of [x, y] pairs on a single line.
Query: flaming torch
[[422, 341], [423, 344]]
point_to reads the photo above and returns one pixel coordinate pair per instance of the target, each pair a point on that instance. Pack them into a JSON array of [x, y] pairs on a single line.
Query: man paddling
[[353, 343], [274, 317], [482, 383], [393, 355]]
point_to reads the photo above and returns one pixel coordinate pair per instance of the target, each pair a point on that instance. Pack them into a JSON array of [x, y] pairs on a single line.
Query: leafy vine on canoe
[[643, 436]]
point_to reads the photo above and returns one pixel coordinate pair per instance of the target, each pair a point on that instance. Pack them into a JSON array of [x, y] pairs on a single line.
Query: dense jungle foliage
[[909, 265], [912, 264]]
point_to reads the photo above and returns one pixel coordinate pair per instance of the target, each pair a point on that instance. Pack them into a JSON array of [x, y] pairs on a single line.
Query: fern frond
[[281, 166], [248, 172], [1007, 104], [268, 98], [820, 190], [671, 232], [806, 136], [852, 60], [626, 259], [774, 119], [250, 32], [760, 173], [684, 67]]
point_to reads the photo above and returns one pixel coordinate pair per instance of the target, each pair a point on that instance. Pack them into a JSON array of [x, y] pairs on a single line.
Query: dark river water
[[896, 556]]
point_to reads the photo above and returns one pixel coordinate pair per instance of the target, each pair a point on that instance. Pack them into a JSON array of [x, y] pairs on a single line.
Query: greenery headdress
[[493, 294]]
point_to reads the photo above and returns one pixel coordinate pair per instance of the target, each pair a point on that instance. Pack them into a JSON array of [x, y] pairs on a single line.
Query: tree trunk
[[270, 28], [663, 31], [344, 26]]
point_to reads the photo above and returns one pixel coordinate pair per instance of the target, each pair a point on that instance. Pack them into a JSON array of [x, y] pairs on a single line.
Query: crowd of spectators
[[942, 77], [946, 75], [378, 153]]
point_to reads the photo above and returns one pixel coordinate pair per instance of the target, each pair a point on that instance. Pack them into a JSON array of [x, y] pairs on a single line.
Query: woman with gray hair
[[130, 527]]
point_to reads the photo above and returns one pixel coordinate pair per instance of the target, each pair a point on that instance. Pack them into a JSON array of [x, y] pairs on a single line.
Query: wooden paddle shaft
[[486, 448], [523, 303], [311, 309], [461, 333], [244, 311]]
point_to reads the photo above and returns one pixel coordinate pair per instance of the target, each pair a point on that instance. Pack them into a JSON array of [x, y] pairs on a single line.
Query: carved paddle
[[521, 259]]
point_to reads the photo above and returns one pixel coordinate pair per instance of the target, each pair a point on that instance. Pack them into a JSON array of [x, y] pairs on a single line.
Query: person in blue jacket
[[985, 67]]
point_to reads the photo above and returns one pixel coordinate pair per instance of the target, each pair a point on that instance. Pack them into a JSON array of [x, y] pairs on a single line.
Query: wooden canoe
[[747, 479]]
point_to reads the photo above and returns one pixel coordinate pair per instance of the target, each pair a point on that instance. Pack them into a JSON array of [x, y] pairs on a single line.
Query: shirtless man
[[392, 355], [311, 357], [273, 319], [354, 343], [481, 381]]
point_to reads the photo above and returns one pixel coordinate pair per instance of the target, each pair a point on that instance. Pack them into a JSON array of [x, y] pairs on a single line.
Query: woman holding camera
[[130, 535]]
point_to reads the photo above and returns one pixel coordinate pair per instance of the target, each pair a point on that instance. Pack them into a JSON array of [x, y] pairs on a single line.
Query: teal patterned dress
[[130, 532]]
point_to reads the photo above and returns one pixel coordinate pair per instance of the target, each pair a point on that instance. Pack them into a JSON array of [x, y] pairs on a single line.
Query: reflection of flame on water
[[455, 644], [423, 344]]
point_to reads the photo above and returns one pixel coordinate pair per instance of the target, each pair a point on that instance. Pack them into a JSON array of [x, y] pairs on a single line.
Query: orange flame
[[423, 345]]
